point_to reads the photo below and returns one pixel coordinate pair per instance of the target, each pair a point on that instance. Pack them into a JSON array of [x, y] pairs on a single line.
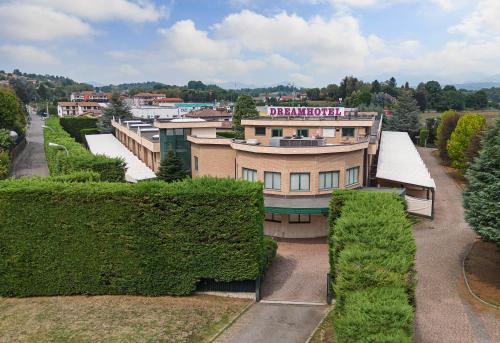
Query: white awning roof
[[109, 146], [400, 161]]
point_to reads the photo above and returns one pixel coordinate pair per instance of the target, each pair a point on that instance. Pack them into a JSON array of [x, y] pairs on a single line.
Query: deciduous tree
[[447, 124], [468, 125]]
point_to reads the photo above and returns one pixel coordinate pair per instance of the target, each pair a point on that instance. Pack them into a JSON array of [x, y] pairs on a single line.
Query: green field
[[489, 114]]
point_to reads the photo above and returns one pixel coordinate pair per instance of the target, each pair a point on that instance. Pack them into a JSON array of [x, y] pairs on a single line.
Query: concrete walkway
[[445, 310], [31, 161], [297, 274]]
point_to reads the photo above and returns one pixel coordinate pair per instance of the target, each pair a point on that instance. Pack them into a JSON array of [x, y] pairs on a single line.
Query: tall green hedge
[[74, 126], [372, 252], [79, 158], [150, 238]]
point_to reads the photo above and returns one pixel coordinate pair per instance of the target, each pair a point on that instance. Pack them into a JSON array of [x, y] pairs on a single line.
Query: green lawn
[[115, 318]]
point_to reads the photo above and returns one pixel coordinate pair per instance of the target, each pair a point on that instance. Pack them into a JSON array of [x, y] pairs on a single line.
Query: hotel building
[[299, 160]]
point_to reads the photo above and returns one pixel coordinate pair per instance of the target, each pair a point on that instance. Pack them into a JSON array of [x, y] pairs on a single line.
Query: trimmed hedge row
[[150, 238], [372, 252], [74, 126], [79, 158]]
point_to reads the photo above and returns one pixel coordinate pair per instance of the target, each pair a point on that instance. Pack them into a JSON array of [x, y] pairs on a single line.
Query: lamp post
[[54, 145]]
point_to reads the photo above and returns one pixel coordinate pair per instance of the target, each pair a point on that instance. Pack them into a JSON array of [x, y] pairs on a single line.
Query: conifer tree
[[244, 108], [171, 168], [405, 117], [117, 108]]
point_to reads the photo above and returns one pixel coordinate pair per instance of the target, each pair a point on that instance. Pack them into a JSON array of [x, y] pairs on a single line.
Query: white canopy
[[109, 146], [400, 161]]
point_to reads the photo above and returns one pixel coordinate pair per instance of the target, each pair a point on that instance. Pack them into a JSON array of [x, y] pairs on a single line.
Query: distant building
[[220, 114], [73, 109], [143, 99], [90, 96], [167, 101]]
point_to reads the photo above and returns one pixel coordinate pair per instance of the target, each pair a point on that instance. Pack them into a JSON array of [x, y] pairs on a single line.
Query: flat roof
[[399, 161], [108, 145]]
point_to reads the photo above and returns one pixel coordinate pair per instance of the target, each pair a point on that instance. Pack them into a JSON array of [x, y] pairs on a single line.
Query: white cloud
[[484, 20], [98, 10], [128, 70], [281, 62], [28, 22], [26, 54]]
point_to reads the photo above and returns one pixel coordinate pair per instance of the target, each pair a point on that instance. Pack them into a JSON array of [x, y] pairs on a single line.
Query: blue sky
[[252, 42]]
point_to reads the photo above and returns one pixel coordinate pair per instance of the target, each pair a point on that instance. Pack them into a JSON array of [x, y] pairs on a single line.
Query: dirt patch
[[482, 268], [325, 332], [115, 318]]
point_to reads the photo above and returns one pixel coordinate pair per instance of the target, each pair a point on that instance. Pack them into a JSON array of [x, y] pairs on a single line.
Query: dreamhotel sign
[[305, 111]]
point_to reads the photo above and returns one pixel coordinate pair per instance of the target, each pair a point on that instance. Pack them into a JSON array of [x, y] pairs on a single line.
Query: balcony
[[297, 141]]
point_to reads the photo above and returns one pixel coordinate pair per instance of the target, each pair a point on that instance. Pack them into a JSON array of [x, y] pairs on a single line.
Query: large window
[[299, 218], [328, 180], [277, 132], [299, 182], [273, 217], [272, 180], [260, 131], [328, 132], [303, 132], [249, 174], [351, 176], [347, 132]]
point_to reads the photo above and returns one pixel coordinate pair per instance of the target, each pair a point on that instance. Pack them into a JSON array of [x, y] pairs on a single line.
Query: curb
[[467, 282], [319, 324], [228, 325]]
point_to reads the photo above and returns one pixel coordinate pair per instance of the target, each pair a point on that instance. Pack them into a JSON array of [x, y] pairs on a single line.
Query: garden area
[[116, 318]]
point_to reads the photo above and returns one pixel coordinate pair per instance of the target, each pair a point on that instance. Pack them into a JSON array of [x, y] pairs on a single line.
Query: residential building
[[144, 99], [90, 96], [65, 109]]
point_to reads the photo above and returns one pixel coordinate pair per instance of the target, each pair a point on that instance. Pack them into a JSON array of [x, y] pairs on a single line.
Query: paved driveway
[[445, 311], [298, 273], [31, 161]]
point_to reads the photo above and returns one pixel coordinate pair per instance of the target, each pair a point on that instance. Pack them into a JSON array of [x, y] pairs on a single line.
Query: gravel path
[[445, 310], [31, 161]]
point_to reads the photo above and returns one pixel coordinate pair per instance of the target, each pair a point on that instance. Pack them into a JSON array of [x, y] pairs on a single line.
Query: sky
[[253, 42]]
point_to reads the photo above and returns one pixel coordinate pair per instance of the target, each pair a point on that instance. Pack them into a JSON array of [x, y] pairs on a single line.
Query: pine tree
[[117, 108], [244, 108], [482, 208], [171, 168], [405, 117]]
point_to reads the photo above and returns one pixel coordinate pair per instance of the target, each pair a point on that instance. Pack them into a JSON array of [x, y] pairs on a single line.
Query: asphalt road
[[31, 161], [445, 310]]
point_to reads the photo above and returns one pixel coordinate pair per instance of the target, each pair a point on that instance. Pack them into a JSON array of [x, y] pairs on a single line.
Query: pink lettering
[[337, 111], [287, 111], [280, 111], [324, 110], [293, 112], [317, 111], [301, 111], [331, 111], [310, 111], [272, 111]]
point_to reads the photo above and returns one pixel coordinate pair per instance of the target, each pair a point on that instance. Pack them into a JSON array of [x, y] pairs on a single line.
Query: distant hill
[[474, 86]]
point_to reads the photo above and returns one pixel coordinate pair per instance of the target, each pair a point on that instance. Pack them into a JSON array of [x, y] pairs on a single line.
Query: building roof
[[67, 103], [88, 103], [144, 94], [208, 113], [400, 161], [169, 100], [108, 145]]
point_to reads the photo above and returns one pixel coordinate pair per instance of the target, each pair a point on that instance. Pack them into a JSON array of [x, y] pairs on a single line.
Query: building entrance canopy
[[297, 205]]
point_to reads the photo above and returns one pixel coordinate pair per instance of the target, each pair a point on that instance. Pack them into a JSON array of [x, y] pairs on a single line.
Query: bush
[[372, 252], [268, 253], [447, 124], [468, 125], [227, 134], [4, 164], [74, 126], [423, 136], [375, 315], [79, 158], [79, 176], [150, 238]]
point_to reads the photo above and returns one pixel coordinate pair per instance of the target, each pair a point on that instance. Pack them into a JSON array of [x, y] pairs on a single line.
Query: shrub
[[79, 176], [4, 164], [6, 142], [150, 238], [468, 125], [372, 254], [227, 134], [79, 158], [447, 124], [482, 208], [423, 136], [74, 125], [268, 252]]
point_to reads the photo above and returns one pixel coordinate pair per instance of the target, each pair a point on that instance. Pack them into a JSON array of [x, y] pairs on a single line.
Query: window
[[260, 131], [249, 174], [276, 132], [328, 180], [347, 132], [351, 176], [272, 180], [273, 217], [299, 181], [303, 132], [299, 218], [196, 163], [328, 132]]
